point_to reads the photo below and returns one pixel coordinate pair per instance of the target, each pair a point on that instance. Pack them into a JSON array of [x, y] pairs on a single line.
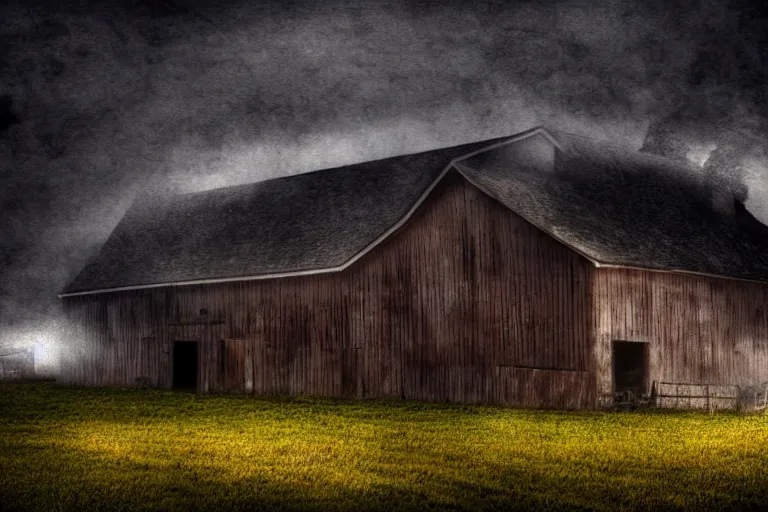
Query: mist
[[100, 103]]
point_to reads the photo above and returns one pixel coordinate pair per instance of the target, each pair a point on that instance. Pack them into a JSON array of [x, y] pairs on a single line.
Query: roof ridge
[[521, 195], [421, 167]]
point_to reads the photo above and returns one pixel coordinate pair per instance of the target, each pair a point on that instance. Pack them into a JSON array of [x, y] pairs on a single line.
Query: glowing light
[[43, 343], [44, 354]]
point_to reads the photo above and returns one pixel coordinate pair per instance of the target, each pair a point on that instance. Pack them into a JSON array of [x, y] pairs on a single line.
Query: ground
[[77, 449]]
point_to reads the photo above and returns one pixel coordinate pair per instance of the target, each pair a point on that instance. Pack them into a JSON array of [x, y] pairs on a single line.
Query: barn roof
[[622, 208], [613, 206], [305, 223]]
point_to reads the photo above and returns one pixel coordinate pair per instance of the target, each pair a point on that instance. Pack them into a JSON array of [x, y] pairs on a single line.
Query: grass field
[[68, 449]]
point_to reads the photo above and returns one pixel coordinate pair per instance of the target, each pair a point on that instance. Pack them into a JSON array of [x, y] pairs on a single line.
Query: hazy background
[[101, 102]]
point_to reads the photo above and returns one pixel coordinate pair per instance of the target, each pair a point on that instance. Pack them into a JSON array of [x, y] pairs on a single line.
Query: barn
[[538, 270]]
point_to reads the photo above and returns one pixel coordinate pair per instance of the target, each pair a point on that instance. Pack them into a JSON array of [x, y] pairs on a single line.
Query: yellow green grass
[[76, 449]]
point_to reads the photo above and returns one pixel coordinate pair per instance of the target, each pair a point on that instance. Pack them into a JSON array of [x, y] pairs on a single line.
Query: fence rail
[[710, 396]]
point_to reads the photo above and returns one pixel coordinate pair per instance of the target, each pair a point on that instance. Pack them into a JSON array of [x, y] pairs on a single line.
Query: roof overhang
[[679, 272], [360, 254], [453, 164]]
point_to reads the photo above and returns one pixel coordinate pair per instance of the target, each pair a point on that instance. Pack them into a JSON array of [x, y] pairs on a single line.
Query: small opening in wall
[[185, 365], [203, 312], [630, 366]]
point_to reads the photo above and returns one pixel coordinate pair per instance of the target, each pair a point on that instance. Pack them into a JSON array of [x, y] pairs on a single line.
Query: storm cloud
[[99, 103]]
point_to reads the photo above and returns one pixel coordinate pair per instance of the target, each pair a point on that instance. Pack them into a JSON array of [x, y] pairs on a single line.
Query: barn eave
[[455, 164], [339, 268]]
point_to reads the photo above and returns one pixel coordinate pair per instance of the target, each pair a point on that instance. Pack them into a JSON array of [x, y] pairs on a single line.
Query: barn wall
[[467, 303], [700, 330], [114, 339]]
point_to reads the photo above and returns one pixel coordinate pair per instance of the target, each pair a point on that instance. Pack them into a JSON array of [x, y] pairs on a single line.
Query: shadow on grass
[[63, 449], [79, 480]]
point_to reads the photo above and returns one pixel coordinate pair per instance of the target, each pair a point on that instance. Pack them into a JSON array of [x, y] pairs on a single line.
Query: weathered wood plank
[[465, 286], [701, 330]]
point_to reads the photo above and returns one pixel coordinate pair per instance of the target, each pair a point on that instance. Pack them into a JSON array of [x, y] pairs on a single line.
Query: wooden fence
[[711, 397]]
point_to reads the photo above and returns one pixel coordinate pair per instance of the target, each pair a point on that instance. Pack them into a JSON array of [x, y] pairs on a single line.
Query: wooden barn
[[540, 269]]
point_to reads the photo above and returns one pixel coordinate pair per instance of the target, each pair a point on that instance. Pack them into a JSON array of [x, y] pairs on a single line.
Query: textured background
[[100, 102]]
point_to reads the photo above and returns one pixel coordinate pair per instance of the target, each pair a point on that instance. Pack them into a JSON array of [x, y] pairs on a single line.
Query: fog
[[103, 102]]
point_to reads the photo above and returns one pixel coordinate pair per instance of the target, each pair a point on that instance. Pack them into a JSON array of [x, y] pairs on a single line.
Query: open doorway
[[185, 365], [630, 367]]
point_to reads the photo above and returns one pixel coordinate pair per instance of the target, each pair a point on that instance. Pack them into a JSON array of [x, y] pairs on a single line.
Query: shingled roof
[[621, 208], [317, 221], [613, 206]]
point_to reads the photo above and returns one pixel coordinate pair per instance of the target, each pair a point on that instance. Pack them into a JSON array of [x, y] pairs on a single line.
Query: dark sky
[[101, 102]]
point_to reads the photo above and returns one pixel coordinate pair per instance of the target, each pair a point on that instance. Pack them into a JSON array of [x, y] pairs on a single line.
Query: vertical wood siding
[[700, 330], [466, 303]]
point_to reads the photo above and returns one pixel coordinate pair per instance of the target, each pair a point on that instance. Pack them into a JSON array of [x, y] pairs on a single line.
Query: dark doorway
[[630, 366], [185, 365]]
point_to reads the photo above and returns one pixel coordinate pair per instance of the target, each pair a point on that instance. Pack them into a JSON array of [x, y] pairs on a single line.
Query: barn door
[[185, 374], [351, 372], [630, 367], [233, 366], [146, 374]]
